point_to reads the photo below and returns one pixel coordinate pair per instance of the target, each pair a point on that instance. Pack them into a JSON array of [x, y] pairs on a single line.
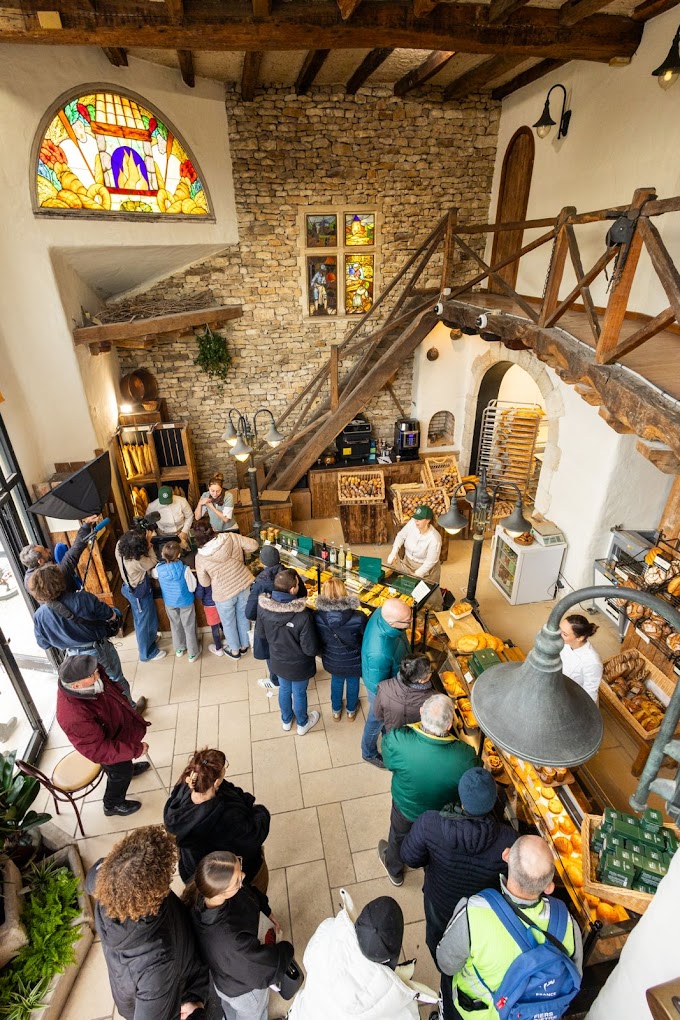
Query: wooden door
[[513, 200]]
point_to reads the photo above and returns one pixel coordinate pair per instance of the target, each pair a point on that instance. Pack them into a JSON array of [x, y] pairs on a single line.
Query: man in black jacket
[[287, 625], [34, 556], [461, 850], [264, 585]]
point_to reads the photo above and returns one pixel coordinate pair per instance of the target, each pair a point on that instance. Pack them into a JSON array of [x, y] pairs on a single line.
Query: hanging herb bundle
[[49, 909], [213, 354]]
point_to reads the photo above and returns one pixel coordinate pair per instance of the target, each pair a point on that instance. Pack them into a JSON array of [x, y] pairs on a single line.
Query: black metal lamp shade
[[668, 72], [545, 123], [516, 523], [82, 494], [453, 520]]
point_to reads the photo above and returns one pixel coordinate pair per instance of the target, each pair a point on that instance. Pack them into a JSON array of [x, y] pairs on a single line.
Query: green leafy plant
[[49, 910], [17, 793], [213, 354]]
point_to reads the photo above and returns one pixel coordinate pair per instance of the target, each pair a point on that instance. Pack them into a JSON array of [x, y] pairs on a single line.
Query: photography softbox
[[82, 494]]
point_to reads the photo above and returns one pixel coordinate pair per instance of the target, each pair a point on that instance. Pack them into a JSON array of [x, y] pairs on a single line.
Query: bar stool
[[72, 775]]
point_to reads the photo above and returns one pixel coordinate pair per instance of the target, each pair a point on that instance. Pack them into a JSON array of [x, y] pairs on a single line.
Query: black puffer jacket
[[287, 625], [340, 626], [264, 585], [153, 963], [230, 821], [397, 704], [228, 942], [461, 856]]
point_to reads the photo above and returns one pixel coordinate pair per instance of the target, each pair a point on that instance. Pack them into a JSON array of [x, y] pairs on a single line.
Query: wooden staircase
[[363, 364]]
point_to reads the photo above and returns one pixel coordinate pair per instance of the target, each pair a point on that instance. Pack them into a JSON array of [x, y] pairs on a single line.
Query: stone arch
[[554, 409]]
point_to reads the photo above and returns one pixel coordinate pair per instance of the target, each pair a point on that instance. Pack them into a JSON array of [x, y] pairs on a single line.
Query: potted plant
[[17, 794], [213, 354]]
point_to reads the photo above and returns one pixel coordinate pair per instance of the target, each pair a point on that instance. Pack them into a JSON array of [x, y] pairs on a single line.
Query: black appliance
[[407, 438], [354, 442]]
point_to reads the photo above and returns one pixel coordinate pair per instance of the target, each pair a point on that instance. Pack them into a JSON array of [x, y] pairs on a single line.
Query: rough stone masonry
[[411, 159]]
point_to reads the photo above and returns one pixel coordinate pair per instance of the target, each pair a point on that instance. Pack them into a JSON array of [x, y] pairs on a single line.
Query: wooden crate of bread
[[361, 487], [442, 472], [407, 500], [622, 688], [630, 898]]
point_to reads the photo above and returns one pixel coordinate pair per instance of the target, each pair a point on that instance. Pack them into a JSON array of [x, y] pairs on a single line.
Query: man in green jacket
[[384, 646], [426, 762]]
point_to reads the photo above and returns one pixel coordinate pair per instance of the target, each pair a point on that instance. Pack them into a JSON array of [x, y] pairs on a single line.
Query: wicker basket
[[630, 898], [607, 695], [441, 472], [370, 483], [406, 501]]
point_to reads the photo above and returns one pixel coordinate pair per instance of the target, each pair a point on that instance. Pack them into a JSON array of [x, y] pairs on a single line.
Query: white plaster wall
[[517, 387], [623, 134], [46, 402]]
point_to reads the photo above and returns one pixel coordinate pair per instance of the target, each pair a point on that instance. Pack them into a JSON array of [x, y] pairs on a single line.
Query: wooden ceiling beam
[[262, 8], [500, 10], [347, 8], [480, 76], [421, 8], [252, 61], [116, 56], [368, 65], [186, 67], [181, 322], [526, 78], [311, 66], [175, 11], [649, 9], [419, 75], [576, 10], [299, 25]]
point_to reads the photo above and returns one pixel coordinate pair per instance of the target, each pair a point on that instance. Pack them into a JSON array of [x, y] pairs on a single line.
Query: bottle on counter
[[341, 557], [333, 555], [324, 553], [349, 560], [295, 545]]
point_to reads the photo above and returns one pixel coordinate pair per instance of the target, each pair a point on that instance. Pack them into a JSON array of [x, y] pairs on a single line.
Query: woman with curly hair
[[149, 946], [206, 812], [226, 917], [136, 559]]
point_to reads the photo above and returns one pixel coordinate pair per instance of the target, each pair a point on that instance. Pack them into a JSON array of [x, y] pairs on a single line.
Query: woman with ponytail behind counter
[[218, 503], [580, 662], [205, 812]]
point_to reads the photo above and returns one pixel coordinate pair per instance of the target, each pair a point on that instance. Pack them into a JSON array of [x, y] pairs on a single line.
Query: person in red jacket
[[103, 726]]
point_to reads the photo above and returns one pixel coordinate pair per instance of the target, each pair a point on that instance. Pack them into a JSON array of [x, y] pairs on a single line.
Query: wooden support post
[[335, 395], [449, 248], [618, 300], [646, 332], [670, 518], [588, 304], [556, 272], [663, 264]]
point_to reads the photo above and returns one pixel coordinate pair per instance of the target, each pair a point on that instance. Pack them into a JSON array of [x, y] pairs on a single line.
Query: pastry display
[[628, 583], [566, 825], [495, 764], [563, 844], [452, 685], [359, 486], [459, 610], [410, 499], [555, 805], [673, 642], [625, 675], [476, 642]]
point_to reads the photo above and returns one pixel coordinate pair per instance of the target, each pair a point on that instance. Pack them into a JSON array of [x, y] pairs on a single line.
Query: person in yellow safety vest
[[476, 939]]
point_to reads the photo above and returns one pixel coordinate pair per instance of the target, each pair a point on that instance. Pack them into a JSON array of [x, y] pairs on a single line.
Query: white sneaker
[[311, 721], [267, 684], [287, 725], [160, 654], [215, 651]]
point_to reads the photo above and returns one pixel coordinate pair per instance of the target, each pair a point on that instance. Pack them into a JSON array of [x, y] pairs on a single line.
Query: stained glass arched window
[[105, 153]]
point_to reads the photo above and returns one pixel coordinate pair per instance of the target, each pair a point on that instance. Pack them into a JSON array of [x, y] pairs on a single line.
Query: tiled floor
[[329, 809]]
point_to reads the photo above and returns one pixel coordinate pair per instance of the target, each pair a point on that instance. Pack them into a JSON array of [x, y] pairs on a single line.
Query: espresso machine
[[406, 438]]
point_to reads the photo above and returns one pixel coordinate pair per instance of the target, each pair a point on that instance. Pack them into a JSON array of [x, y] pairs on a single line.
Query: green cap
[[423, 513], [165, 495]]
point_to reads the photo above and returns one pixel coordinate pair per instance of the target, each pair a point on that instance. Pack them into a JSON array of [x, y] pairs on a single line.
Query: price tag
[[642, 634], [420, 591], [266, 542], [293, 552], [659, 561], [468, 677]]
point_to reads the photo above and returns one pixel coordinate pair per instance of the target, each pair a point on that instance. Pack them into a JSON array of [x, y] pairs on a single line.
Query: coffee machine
[[406, 438]]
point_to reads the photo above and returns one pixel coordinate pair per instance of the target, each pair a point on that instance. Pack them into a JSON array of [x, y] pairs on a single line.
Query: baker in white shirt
[[175, 515], [580, 661], [421, 544]]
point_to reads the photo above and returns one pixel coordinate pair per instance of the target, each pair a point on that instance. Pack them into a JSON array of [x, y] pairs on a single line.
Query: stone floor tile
[[161, 746], [277, 894], [140, 784], [339, 864], [211, 665], [259, 702], [409, 895], [309, 897], [275, 774], [323, 688], [222, 688], [344, 738], [161, 717], [294, 838], [336, 784], [207, 733], [265, 727], [94, 847], [91, 994], [96, 822], [153, 683], [56, 738], [234, 731], [186, 681], [367, 865], [245, 781], [187, 724], [312, 750], [367, 820], [414, 947]]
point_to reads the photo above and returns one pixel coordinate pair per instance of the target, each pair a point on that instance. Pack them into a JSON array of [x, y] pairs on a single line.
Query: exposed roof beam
[[421, 8], [175, 11], [480, 76], [368, 65], [296, 25], [186, 66], [116, 56], [650, 8], [576, 10], [252, 61], [347, 8], [262, 8], [311, 66], [500, 10], [526, 78], [419, 75]]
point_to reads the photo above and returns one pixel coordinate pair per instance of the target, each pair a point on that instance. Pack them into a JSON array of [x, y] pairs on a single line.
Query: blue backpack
[[541, 982]]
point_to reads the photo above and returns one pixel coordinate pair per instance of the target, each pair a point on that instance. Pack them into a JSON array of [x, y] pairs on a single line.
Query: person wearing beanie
[[461, 849], [264, 585], [102, 725], [350, 967]]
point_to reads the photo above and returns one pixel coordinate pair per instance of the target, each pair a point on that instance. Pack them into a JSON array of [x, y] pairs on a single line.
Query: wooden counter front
[[323, 483]]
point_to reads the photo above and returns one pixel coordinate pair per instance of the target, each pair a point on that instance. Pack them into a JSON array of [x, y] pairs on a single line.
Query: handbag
[[141, 590]]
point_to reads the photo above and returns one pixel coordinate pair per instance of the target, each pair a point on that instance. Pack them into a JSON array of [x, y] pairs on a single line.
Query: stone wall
[[411, 159]]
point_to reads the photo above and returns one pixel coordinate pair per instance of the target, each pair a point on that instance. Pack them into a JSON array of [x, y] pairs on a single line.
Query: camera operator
[[218, 503], [34, 556], [175, 518], [136, 559]]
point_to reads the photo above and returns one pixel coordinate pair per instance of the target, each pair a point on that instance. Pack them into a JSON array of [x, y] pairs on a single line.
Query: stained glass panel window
[[321, 231], [359, 278], [359, 228], [106, 153], [322, 284]]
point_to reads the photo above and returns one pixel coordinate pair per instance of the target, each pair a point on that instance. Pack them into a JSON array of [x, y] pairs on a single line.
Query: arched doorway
[[489, 389], [513, 200]]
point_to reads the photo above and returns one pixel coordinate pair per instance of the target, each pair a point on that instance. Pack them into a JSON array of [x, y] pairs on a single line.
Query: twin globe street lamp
[[239, 437]]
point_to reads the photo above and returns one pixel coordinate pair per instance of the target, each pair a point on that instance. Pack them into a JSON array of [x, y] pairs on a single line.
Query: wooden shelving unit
[[149, 456]]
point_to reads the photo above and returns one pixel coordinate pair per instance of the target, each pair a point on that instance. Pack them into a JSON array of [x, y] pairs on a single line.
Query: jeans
[[272, 675], [369, 738], [183, 628], [399, 830], [249, 1006], [337, 687], [118, 778], [234, 621], [293, 699], [435, 926], [109, 659], [145, 620]]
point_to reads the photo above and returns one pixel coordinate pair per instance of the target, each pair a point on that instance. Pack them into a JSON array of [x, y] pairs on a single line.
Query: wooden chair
[[73, 778]]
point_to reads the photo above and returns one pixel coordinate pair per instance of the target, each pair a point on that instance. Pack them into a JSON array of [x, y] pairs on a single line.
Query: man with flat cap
[[103, 726]]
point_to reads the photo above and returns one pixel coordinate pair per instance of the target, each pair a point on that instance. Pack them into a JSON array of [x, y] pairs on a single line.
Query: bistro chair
[[73, 778]]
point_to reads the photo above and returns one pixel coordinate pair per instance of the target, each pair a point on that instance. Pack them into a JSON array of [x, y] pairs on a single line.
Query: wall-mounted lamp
[[668, 73], [545, 123]]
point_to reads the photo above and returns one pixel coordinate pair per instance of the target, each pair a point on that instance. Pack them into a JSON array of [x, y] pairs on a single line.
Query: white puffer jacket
[[341, 983]]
